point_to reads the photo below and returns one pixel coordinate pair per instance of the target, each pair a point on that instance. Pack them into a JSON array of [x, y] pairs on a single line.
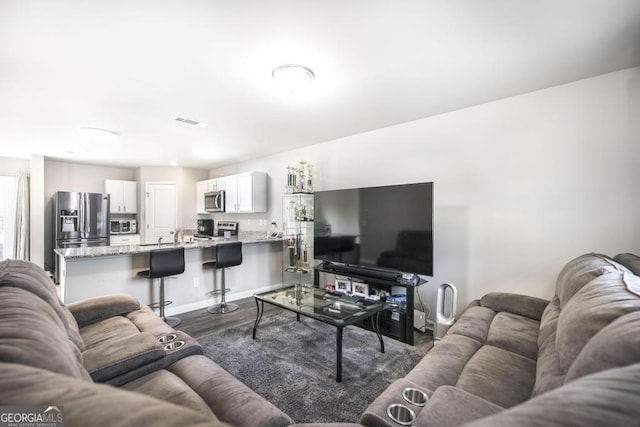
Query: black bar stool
[[227, 255], [164, 263]]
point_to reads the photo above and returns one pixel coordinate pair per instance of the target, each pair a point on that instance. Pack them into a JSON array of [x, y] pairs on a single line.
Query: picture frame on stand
[[343, 286], [360, 289]]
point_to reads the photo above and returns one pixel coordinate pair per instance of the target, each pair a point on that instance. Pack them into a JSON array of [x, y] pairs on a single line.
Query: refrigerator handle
[[82, 234], [87, 219]]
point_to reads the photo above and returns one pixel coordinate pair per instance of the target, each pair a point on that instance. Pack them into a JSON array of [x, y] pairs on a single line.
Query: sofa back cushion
[[33, 334], [592, 291], [592, 308], [631, 261], [614, 346], [30, 277], [580, 271]]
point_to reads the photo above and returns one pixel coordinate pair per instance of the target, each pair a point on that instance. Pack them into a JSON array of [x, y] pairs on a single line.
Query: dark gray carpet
[[293, 365]]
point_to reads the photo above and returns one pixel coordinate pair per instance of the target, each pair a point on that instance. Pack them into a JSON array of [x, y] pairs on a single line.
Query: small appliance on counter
[[204, 229], [226, 228]]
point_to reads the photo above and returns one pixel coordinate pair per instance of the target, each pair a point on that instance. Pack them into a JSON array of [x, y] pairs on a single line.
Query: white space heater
[[446, 304]]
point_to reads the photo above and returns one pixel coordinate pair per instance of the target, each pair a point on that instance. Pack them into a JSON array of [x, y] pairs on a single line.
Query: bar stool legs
[[223, 306], [171, 321]]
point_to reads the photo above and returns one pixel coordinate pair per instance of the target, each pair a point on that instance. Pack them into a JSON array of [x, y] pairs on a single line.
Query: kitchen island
[[106, 270]]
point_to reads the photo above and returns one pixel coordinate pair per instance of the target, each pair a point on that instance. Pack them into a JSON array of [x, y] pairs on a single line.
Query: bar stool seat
[[227, 255], [164, 263]]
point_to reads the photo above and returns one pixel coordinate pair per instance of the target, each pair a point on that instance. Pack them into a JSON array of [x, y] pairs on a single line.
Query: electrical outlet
[[419, 320], [196, 282]]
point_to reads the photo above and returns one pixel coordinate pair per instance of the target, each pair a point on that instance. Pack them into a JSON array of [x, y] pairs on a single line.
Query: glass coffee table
[[335, 309]]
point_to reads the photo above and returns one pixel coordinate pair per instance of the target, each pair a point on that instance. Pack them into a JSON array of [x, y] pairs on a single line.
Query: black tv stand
[[382, 279]]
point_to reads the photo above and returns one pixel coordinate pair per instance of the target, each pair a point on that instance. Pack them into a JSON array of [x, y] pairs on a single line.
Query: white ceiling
[[132, 65]]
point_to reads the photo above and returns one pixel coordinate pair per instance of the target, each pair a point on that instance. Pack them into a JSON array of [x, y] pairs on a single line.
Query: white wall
[[522, 185], [12, 166]]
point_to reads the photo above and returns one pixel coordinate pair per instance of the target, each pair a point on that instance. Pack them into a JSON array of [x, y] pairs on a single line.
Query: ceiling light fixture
[[98, 134], [293, 77]]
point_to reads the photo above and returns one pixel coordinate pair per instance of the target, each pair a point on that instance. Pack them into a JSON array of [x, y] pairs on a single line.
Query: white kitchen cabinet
[[123, 196], [124, 239], [201, 188], [246, 192], [231, 193]]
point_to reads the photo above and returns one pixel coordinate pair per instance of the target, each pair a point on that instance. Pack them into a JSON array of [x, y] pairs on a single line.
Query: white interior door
[[160, 211]]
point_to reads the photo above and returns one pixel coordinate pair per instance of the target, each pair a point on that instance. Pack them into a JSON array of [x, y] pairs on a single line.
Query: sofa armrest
[[93, 310], [118, 356], [523, 305], [451, 406]]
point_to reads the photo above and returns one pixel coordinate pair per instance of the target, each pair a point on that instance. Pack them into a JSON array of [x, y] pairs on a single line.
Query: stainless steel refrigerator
[[81, 219]]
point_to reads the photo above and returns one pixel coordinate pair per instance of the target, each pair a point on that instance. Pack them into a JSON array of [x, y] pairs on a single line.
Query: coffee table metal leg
[[260, 310], [339, 355], [376, 327]]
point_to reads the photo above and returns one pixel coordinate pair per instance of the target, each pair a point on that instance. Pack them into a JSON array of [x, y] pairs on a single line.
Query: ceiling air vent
[[189, 121]]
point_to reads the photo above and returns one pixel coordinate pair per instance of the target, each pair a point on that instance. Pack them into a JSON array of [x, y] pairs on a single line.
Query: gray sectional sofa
[[102, 360], [513, 360]]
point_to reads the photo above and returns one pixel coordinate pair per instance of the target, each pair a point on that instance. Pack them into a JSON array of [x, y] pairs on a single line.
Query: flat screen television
[[386, 227]]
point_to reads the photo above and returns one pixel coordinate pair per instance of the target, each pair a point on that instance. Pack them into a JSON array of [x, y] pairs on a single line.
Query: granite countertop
[[246, 237]]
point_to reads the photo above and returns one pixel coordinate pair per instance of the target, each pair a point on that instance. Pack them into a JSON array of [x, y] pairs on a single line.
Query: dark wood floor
[[200, 323]]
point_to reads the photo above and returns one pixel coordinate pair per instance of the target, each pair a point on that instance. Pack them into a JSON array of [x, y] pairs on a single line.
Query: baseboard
[[172, 311]]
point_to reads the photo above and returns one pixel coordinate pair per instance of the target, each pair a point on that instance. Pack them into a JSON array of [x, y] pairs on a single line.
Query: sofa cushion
[[499, 376], [616, 345], [607, 398], [231, 400], [30, 277], [592, 308], [33, 334], [630, 261], [580, 271], [169, 387], [474, 323], [515, 333], [444, 363], [549, 375], [107, 330]]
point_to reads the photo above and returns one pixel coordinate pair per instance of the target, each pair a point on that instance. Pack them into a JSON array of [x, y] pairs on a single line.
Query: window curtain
[[21, 247]]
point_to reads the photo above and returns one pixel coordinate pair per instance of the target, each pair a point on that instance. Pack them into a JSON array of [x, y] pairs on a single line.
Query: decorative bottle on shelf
[[309, 179], [291, 180], [301, 182]]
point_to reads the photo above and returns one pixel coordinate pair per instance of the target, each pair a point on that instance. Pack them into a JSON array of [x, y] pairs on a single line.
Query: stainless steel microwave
[[123, 226], [214, 201]]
